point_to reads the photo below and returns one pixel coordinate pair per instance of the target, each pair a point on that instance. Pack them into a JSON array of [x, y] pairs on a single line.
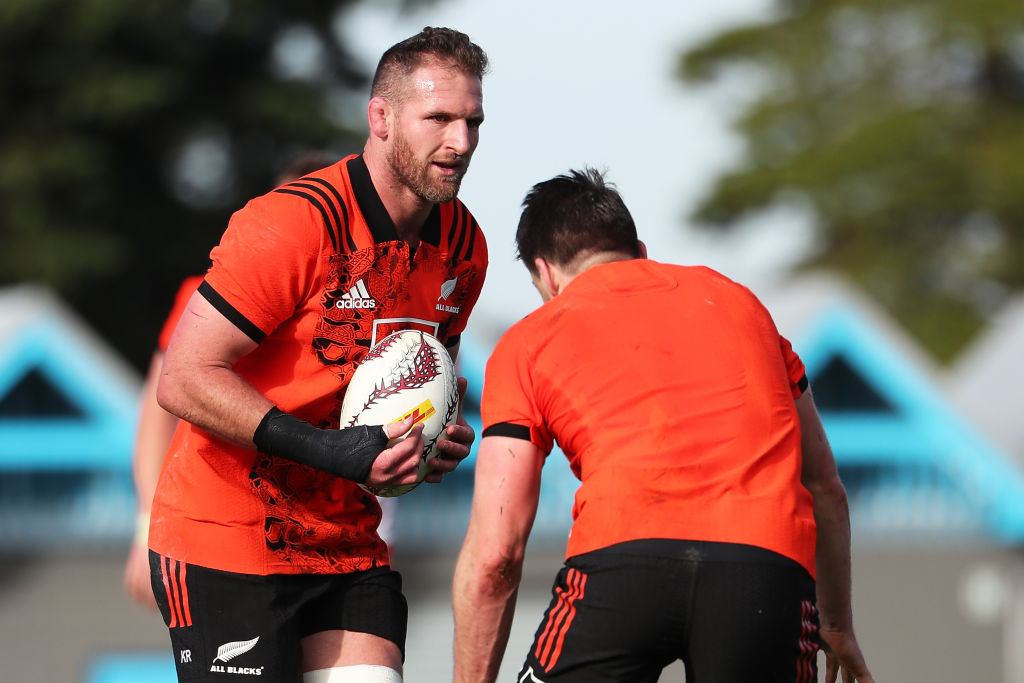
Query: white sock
[[360, 673]]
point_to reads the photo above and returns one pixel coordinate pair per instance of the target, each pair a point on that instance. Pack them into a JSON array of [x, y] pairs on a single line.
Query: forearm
[[215, 399], [832, 559], [831, 516], [220, 402], [484, 600]]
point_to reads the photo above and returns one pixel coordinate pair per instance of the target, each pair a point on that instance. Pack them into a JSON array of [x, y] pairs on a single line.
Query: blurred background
[[856, 163]]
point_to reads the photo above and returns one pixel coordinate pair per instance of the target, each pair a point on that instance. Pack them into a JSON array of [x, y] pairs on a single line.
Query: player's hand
[[136, 576], [842, 653], [455, 443], [398, 464]]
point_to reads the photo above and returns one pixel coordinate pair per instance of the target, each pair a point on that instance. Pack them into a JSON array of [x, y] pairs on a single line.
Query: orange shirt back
[[671, 393]]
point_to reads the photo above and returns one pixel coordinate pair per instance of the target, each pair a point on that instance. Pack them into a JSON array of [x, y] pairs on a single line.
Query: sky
[[579, 83]]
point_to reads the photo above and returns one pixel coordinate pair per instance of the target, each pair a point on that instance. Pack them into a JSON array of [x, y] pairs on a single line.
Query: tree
[[131, 129], [899, 123]]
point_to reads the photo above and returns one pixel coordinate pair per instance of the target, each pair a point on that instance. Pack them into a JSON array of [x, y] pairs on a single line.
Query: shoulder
[[293, 214], [462, 232], [531, 331]]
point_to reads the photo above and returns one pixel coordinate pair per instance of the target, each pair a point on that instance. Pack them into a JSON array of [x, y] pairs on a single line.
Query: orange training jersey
[[316, 273], [671, 393]]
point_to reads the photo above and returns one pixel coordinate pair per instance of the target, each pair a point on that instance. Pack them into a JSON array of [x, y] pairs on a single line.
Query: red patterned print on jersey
[[294, 532], [361, 287]]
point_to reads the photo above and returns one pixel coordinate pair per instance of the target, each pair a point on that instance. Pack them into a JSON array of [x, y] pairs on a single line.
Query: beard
[[417, 177]]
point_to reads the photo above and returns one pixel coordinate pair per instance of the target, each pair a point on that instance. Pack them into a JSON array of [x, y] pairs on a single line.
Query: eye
[[474, 122]]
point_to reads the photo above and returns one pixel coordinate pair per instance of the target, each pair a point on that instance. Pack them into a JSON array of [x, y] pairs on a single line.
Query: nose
[[462, 139]]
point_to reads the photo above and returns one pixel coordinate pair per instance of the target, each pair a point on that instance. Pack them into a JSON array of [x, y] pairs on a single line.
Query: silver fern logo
[[447, 287], [229, 651]]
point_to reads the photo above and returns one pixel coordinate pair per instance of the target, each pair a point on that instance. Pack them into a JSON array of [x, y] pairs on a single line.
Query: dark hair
[[573, 214], [443, 45], [303, 164]]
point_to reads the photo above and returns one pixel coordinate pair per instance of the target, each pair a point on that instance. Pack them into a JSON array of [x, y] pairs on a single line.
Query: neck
[[559, 277], [407, 210], [597, 258]]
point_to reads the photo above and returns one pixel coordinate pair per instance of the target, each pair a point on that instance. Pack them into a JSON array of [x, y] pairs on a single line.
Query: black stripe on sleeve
[[319, 207], [473, 227], [453, 227], [349, 240], [338, 222], [803, 384], [460, 225], [508, 429], [231, 313]]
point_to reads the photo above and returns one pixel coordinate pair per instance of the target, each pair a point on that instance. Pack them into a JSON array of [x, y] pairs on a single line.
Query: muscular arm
[[199, 384], [832, 559], [490, 563]]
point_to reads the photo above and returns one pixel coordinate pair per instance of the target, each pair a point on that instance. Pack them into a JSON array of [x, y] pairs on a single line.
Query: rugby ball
[[406, 373]]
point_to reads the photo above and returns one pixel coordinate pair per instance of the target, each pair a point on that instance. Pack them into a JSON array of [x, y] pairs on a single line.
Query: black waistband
[[697, 551]]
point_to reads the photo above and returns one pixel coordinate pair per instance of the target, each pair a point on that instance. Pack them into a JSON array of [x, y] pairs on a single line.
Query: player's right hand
[[399, 463]]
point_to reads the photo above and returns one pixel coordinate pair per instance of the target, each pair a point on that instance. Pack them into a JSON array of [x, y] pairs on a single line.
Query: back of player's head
[[443, 46], [572, 215], [303, 164]]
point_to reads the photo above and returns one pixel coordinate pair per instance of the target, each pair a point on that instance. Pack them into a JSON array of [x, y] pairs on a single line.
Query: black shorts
[[731, 613], [246, 627]]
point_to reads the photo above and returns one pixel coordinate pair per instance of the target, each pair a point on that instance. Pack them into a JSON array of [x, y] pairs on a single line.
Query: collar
[[377, 218]]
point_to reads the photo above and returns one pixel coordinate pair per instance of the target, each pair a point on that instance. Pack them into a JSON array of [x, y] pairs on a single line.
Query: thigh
[[369, 602], [610, 619], [226, 626], [753, 621]]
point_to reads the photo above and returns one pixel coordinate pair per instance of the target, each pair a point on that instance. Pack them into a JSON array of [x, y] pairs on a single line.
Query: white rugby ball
[[408, 372]]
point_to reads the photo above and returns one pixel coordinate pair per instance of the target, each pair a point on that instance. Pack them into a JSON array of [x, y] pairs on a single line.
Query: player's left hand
[[455, 444], [137, 576], [843, 655]]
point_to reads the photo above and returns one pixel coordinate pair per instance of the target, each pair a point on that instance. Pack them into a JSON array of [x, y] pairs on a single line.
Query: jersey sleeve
[[185, 291], [508, 406], [794, 368], [476, 269], [265, 263]]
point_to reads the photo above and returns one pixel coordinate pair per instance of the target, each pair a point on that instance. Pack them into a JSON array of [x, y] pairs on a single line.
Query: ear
[[546, 278], [642, 248], [378, 114]]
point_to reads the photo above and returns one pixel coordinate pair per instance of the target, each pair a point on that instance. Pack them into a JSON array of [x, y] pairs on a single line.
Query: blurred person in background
[[710, 524], [264, 550], [156, 426]]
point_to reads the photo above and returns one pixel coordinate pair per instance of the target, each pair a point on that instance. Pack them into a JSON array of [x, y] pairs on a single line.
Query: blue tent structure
[[916, 470], [67, 425]]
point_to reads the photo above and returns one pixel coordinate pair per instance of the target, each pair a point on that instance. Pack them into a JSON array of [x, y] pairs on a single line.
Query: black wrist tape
[[347, 453]]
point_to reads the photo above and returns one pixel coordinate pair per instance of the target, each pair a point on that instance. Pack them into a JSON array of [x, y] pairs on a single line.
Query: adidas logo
[[357, 297]]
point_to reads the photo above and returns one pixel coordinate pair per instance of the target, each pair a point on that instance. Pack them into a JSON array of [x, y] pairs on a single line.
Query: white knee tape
[[361, 673]]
